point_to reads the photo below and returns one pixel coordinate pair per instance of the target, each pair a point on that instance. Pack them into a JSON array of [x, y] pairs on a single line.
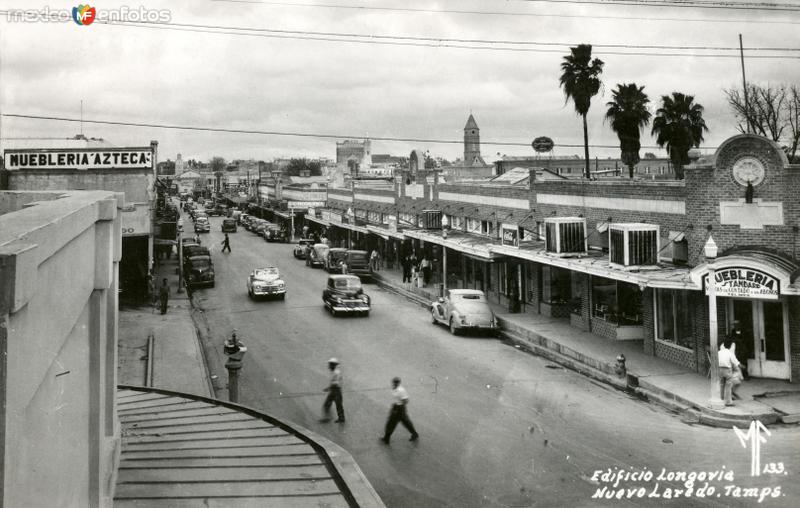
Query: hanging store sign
[[305, 204], [510, 235], [737, 282], [78, 158]]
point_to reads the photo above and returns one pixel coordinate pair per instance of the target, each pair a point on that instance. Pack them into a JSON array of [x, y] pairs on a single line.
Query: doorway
[[765, 327]]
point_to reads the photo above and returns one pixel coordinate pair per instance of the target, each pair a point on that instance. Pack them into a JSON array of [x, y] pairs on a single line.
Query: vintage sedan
[[199, 271], [275, 233], [300, 248], [315, 256], [228, 225], [464, 309], [202, 225], [333, 260], [266, 282], [344, 294]]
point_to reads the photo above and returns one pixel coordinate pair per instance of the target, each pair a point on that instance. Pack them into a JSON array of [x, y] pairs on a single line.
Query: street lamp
[[710, 250]]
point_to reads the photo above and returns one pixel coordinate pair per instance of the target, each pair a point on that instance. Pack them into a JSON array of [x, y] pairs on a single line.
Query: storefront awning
[[282, 215], [351, 227], [477, 247], [319, 221], [385, 233]]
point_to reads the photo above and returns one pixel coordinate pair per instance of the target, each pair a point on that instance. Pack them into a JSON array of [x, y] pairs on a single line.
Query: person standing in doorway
[[226, 244], [742, 345], [163, 295], [398, 413], [334, 390]]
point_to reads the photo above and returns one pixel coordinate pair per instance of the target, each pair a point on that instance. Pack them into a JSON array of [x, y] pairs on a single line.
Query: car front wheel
[[433, 317]]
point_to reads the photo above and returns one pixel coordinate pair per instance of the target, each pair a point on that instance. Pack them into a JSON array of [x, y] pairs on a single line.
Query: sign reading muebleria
[[79, 158], [739, 282]]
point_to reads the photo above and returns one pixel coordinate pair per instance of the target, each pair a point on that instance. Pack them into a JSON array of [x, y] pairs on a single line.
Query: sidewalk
[[652, 378]]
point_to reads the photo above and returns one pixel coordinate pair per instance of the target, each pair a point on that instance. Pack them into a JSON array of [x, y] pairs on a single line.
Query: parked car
[[243, 218], [344, 294], [228, 225], [261, 227], [358, 263], [464, 309], [199, 271], [275, 233], [234, 214], [266, 282], [333, 260], [202, 225], [316, 255], [301, 247]]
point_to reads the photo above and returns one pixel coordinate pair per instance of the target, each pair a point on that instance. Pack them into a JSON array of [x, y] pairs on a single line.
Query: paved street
[[498, 426]]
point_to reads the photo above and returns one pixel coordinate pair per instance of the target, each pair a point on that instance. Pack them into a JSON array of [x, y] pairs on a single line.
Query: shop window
[[674, 318], [556, 285], [616, 302]]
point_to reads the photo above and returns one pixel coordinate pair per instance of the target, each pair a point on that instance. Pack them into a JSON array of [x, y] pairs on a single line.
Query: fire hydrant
[[235, 350], [620, 368]]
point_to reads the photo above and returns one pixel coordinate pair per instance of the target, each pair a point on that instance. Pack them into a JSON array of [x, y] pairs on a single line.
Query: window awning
[[477, 247], [351, 227], [317, 220], [385, 233]]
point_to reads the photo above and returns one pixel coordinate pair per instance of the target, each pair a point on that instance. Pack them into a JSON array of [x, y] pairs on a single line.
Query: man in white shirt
[[398, 414], [334, 390], [728, 364]]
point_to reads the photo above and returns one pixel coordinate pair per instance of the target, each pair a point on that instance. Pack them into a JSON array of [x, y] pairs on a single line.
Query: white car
[[464, 309], [266, 282]]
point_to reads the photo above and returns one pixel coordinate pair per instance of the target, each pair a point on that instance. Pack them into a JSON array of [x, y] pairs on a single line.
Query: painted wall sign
[[740, 282], [305, 204], [105, 158]]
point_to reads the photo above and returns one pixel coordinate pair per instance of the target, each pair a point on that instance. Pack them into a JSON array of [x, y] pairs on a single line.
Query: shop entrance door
[[765, 323]]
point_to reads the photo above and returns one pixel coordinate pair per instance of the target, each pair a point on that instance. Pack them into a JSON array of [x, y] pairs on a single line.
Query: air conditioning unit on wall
[[633, 245], [565, 236]]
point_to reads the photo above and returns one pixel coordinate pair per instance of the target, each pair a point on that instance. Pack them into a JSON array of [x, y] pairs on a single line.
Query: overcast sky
[[159, 75]]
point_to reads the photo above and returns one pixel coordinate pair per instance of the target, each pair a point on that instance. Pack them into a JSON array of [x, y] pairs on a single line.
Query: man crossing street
[[226, 243], [398, 413], [334, 390]]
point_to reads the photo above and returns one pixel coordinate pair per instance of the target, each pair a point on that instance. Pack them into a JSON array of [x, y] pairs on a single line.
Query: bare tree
[[770, 111]]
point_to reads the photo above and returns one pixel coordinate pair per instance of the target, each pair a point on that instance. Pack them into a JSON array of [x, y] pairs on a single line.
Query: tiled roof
[[180, 451]]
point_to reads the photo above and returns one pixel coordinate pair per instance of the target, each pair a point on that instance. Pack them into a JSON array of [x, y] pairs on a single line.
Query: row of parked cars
[[270, 231], [198, 269], [333, 259]]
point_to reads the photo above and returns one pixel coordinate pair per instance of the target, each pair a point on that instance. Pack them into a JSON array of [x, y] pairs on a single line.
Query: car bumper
[[269, 291], [349, 307], [476, 326]]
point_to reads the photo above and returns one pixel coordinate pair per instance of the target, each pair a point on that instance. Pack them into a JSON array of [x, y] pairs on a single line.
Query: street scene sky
[[377, 69]]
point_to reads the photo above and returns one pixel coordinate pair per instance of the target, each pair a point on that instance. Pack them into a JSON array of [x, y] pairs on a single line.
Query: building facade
[[354, 155]]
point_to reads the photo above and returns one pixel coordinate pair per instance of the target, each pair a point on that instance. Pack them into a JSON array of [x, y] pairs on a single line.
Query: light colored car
[[266, 282], [301, 247], [464, 309], [315, 256]]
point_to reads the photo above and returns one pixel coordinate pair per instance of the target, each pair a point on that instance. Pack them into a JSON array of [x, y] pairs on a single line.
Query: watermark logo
[[84, 14], [754, 438]]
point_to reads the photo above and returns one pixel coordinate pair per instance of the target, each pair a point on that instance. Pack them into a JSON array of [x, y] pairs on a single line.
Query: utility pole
[[744, 86]]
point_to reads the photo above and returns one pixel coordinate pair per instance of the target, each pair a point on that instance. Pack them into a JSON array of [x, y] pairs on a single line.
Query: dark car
[[333, 260], [358, 263], [228, 225], [315, 256], [199, 271], [300, 248], [192, 250], [275, 234], [344, 294], [202, 225]]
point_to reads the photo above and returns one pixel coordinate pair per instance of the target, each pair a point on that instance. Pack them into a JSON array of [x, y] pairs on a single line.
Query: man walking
[[334, 390], [398, 413], [226, 243], [728, 365], [163, 295]]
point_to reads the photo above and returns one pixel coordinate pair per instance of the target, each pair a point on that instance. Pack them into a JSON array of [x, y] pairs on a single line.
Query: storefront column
[[444, 270]]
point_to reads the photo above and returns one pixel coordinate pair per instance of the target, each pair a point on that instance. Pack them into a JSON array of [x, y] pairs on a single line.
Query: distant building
[[354, 155], [472, 167], [573, 167]]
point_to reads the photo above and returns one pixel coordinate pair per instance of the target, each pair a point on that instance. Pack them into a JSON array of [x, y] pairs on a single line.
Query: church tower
[[472, 143]]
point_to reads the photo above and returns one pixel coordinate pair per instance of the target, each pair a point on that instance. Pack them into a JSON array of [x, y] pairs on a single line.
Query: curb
[[603, 372]]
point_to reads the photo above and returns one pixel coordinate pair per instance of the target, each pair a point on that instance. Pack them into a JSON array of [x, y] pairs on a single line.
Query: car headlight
[[365, 298]]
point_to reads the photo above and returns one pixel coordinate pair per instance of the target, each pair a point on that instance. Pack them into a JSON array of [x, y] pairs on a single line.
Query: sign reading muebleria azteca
[[79, 158], [739, 282]]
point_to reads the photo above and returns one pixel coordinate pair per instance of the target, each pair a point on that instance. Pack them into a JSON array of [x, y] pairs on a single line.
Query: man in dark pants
[[743, 345], [226, 243], [163, 295], [334, 390], [398, 414], [406, 264]]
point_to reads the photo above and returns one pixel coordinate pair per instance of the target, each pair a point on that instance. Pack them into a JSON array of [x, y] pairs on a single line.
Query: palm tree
[[679, 126], [628, 113], [580, 81]]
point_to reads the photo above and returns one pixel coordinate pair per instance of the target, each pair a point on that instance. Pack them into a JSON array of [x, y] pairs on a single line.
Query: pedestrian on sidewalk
[[226, 243], [373, 260], [742, 346], [728, 372], [398, 413], [406, 264], [425, 267], [163, 295], [334, 390]]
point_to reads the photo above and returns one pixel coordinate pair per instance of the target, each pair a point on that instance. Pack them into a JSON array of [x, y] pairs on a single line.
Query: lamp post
[[710, 250]]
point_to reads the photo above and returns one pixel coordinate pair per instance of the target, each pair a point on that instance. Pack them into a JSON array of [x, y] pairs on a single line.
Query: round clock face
[[748, 170]]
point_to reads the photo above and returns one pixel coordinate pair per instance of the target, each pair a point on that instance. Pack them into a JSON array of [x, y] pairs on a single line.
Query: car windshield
[[266, 273], [354, 283]]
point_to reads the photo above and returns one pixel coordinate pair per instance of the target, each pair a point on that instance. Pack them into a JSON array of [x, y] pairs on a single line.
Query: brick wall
[[583, 288], [676, 355], [603, 328], [648, 320]]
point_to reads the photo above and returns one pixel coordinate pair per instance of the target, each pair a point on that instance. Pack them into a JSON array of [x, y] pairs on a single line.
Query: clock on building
[[748, 170]]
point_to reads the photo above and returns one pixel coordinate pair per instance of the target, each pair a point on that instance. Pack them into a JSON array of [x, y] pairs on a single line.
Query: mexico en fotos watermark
[[85, 15]]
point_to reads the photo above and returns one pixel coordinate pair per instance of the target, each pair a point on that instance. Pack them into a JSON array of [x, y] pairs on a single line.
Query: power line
[[292, 134], [501, 13], [693, 4], [375, 40]]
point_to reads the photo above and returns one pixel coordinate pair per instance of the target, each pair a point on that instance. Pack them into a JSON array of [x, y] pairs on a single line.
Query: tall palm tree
[[580, 81], [679, 126], [628, 114]]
